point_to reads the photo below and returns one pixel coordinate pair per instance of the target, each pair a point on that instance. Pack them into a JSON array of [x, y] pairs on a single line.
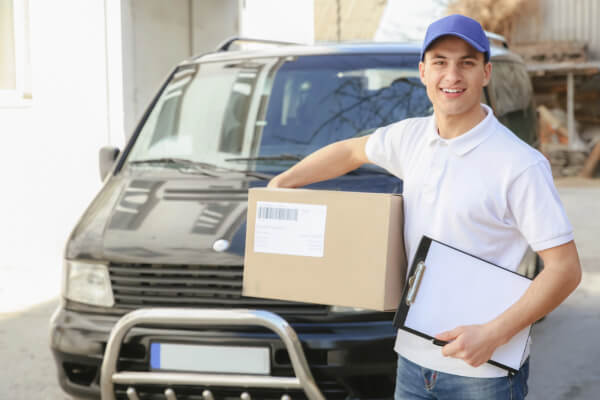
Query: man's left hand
[[474, 344]]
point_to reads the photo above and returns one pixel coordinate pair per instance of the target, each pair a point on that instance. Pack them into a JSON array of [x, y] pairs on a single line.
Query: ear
[[487, 73], [422, 72]]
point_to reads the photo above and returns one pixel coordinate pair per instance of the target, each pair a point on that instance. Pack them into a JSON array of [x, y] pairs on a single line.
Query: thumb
[[448, 336]]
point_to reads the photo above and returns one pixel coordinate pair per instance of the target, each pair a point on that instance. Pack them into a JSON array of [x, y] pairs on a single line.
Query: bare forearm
[[329, 162]]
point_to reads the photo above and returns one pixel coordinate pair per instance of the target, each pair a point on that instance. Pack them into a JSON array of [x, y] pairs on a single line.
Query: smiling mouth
[[453, 90]]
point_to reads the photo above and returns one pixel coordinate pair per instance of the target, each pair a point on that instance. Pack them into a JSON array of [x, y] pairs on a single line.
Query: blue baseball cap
[[462, 27]]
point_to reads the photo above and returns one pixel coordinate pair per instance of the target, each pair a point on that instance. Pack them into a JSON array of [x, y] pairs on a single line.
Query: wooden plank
[[589, 167], [550, 125], [562, 68], [552, 51], [589, 119], [571, 109]]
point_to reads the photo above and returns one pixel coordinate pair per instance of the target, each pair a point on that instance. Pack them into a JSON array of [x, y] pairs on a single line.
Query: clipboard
[[448, 287]]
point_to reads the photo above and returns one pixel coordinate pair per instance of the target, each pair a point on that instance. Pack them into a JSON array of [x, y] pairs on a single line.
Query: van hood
[[161, 218], [174, 220]]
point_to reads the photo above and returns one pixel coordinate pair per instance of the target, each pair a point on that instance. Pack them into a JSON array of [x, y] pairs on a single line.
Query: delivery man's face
[[454, 74]]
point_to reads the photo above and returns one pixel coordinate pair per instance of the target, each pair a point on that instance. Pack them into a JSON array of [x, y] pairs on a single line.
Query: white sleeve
[[381, 151], [537, 210]]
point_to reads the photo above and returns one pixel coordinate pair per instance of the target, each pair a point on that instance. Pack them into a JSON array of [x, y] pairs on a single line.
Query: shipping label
[[290, 228]]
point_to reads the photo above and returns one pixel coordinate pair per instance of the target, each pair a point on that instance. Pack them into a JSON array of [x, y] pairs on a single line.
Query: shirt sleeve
[[382, 152], [535, 205], [375, 147]]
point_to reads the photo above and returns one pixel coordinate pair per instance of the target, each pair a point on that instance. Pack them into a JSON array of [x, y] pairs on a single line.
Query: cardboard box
[[327, 247]]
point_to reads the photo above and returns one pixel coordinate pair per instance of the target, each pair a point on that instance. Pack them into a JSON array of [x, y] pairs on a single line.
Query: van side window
[[512, 96]]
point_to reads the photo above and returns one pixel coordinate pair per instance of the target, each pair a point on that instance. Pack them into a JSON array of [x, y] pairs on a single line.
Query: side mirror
[[108, 156]]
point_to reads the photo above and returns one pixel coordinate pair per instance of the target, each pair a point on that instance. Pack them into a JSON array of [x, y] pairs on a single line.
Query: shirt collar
[[466, 142]]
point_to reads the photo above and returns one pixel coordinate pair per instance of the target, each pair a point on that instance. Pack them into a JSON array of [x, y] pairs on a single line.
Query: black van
[[167, 229]]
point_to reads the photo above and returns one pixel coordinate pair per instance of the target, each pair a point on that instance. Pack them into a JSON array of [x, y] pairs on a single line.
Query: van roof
[[283, 50]]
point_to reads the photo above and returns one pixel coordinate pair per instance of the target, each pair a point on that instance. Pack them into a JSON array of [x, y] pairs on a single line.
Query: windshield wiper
[[280, 157], [183, 163], [175, 160], [254, 174], [200, 166]]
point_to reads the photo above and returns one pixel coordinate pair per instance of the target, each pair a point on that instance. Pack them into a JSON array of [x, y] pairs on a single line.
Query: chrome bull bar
[[204, 317]]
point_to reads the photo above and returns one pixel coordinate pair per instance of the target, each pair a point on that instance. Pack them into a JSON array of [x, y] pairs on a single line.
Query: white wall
[[286, 20], [214, 22], [408, 20], [49, 155]]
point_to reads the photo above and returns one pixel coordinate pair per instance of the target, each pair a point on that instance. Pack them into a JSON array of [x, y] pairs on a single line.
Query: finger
[[449, 335], [477, 363], [452, 349]]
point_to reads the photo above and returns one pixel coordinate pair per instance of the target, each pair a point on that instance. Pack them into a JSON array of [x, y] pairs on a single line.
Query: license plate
[[207, 358]]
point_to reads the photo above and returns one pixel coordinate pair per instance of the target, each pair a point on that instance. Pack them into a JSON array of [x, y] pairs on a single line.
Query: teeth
[[452, 90]]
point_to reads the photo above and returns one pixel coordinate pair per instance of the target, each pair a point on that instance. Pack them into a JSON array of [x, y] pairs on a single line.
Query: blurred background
[[76, 75]]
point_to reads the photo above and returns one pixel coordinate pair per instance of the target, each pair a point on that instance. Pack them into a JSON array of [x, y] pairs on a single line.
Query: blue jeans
[[415, 382]]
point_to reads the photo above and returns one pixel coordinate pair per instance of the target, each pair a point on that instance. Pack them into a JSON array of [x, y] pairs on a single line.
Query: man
[[471, 183]]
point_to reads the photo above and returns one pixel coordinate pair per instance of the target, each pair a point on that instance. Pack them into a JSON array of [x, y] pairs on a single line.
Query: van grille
[[149, 285]]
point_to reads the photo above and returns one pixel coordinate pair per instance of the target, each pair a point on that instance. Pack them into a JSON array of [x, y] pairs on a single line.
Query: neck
[[451, 126]]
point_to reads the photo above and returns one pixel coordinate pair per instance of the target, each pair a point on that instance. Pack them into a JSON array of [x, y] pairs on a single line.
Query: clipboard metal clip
[[414, 282]]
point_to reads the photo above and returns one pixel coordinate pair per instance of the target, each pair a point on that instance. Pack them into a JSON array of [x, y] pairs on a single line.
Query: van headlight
[[87, 282]]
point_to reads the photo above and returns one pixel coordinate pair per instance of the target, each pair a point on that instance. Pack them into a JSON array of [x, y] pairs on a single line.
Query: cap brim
[[473, 44]]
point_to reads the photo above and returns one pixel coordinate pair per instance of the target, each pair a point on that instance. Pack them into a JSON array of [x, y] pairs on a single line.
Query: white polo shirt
[[485, 192]]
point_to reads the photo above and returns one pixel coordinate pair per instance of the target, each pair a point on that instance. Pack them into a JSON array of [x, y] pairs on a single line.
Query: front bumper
[[347, 360]]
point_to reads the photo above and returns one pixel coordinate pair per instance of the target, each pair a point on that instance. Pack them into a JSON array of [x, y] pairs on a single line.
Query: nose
[[453, 73]]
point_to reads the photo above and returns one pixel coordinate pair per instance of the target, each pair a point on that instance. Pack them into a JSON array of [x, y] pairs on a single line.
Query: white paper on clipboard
[[458, 289]]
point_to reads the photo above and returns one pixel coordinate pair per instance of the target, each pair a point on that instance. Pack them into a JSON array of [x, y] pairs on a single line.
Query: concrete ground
[[565, 361], [28, 371]]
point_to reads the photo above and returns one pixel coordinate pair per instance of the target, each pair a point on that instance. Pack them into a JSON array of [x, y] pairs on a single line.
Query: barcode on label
[[286, 214]]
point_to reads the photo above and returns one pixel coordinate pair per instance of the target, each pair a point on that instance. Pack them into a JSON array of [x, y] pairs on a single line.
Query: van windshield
[[267, 113]]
